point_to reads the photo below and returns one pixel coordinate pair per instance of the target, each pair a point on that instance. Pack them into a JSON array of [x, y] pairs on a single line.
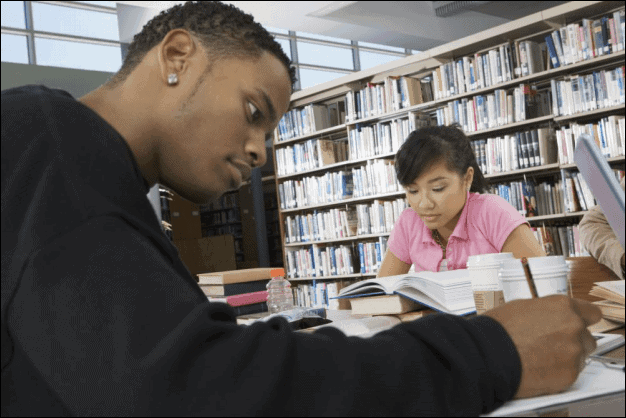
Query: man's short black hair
[[223, 29]]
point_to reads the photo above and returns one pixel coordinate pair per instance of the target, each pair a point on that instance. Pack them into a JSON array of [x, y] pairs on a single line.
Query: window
[[378, 46], [13, 14], [276, 30], [323, 38], [310, 78], [284, 43], [14, 48], [68, 54], [110, 4], [81, 35], [77, 22], [372, 59], [329, 56]]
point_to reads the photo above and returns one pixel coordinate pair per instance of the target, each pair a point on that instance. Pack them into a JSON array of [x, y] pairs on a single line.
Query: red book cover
[[244, 299]]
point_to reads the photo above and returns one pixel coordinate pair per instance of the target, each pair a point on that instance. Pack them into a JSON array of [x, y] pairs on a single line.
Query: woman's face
[[438, 196]]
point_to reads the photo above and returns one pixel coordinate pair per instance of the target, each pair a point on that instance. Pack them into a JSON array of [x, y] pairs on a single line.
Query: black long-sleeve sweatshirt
[[101, 317]]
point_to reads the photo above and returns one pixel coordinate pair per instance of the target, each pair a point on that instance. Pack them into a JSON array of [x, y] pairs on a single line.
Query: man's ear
[[174, 51]]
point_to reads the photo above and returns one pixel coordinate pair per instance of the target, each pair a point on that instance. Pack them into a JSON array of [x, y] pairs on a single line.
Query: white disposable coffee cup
[[549, 274], [484, 271]]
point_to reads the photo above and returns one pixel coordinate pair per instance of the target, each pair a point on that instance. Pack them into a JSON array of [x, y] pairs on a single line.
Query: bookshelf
[[537, 93]]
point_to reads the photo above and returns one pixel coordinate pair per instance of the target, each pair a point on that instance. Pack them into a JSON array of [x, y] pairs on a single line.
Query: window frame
[[31, 33], [293, 37]]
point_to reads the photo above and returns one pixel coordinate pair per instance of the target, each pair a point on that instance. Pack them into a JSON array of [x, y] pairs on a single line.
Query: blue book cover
[[333, 261], [597, 84], [362, 257], [620, 82], [301, 228], [379, 256], [554, 58], [557, 35], [606, 45], [312, 256]]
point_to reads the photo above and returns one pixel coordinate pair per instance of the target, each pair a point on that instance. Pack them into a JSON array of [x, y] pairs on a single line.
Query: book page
[[594, 381], [363, 327], [615, 286], [384, 283]]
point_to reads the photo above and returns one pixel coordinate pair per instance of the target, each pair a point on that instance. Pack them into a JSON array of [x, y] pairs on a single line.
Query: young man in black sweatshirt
[[101, 317]]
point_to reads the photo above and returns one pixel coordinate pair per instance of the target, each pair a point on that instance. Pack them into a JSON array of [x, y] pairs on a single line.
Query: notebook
[[600, 178]]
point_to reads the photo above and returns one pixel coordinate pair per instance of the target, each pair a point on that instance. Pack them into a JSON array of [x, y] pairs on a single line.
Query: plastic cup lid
[[482, 260]]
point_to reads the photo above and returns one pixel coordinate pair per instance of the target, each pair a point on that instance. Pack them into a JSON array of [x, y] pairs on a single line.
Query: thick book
[[240, 276], [231, 289], [448, 292], [611, 310], [383, 305]]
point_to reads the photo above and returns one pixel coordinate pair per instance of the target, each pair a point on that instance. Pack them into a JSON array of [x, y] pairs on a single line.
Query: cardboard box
[[208, 254], [186, 220]]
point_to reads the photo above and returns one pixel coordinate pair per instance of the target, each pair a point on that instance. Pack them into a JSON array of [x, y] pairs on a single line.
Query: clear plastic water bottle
[[279, 296]]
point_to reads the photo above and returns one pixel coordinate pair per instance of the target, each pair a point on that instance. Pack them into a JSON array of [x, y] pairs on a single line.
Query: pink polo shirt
[[486, 222]]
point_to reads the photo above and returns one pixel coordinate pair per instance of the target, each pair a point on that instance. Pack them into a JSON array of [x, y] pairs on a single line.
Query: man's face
[[438, 196], [209, 143]]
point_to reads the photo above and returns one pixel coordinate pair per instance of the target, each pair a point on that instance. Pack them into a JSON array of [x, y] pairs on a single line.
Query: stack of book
[[448, 292], [405, 309], [612, 306], [244, 290]]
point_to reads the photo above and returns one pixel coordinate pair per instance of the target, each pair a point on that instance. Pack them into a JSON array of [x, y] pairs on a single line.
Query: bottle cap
[[277, 272]]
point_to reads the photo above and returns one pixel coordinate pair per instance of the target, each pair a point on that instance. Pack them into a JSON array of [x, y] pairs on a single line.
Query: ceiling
[[405, 24]]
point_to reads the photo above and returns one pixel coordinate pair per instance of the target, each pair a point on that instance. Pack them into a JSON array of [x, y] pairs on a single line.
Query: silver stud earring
[[172, 79]]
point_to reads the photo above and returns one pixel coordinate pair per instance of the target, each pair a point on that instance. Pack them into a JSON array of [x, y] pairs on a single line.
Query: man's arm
[[107, 325], [598, 238]]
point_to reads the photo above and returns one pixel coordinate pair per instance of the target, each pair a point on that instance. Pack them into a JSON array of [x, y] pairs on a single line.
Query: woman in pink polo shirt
[[448, 219]]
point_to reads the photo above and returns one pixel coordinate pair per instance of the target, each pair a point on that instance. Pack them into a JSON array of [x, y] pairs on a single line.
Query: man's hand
[[552, 340]]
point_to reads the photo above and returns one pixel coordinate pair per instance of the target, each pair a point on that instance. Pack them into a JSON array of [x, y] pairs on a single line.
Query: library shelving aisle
[[522, 92]]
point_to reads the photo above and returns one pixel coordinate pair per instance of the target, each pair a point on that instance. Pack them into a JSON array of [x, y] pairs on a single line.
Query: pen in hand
[[529, 278]]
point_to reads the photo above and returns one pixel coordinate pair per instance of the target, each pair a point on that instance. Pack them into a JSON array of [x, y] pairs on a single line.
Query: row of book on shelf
[[560, 240], [573, 95], [516, 151], [500, 108], [336, 260], [226, 201], [383, 137], [565, 46], [319, 261], [362, 142], [373, 178], [361, 219], [608, 134], [537, 147], [501, 154], [578, 93], [222, 217], [311, 154]]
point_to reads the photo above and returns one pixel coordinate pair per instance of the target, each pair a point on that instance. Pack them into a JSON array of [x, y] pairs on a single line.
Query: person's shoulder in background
[[599, 239]]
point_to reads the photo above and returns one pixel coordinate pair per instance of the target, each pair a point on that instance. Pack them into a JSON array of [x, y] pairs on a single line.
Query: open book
[[447, 291], [613, 292]]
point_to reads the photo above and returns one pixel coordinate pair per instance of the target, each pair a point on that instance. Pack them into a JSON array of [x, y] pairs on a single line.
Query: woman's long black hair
[[432, 144]]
